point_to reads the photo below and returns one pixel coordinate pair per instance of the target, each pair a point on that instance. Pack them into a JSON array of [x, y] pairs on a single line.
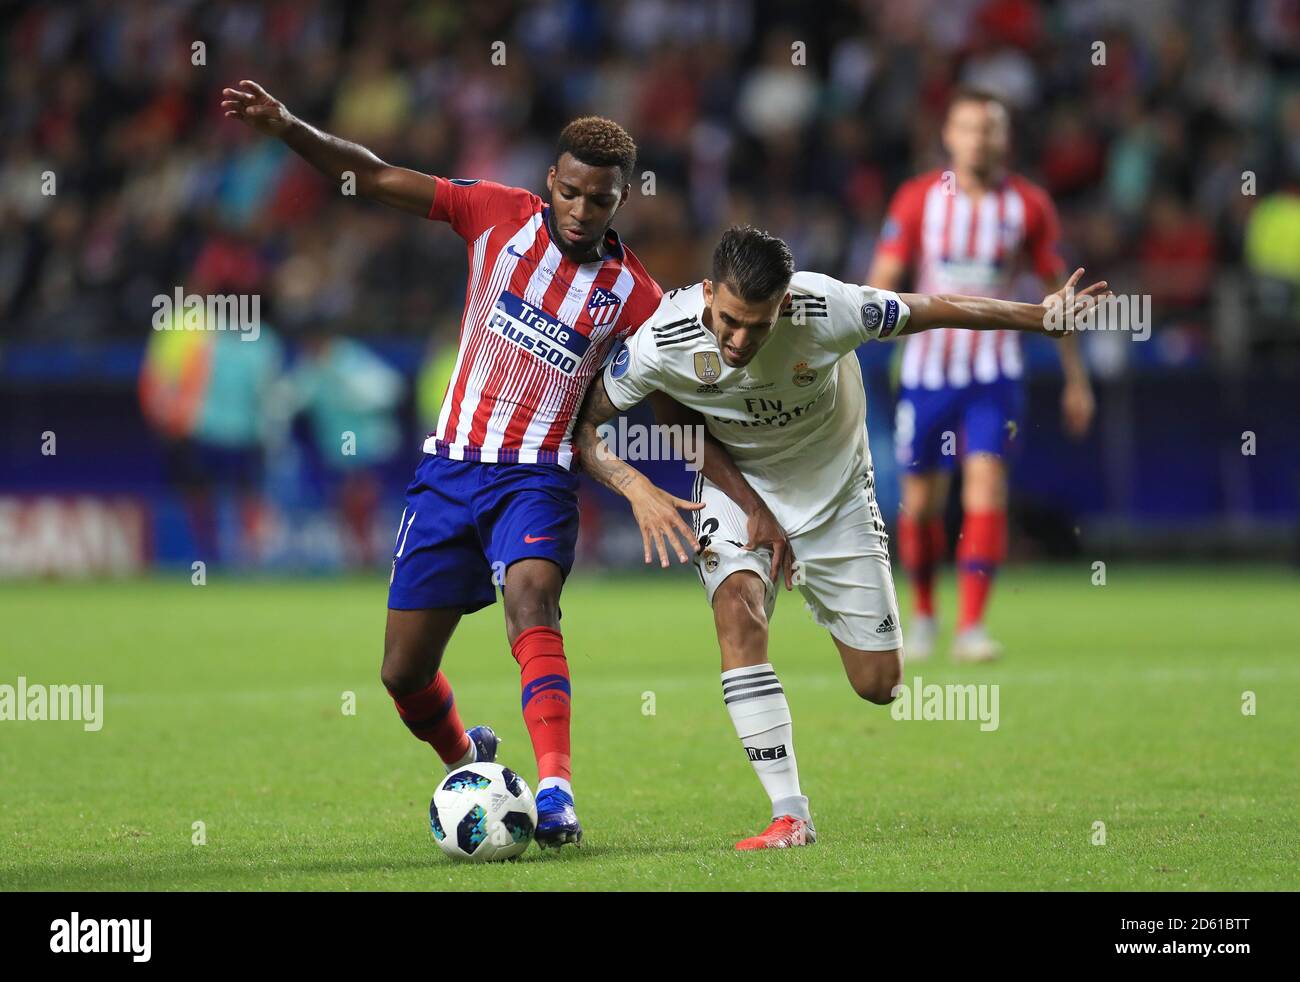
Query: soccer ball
[[483, 812]]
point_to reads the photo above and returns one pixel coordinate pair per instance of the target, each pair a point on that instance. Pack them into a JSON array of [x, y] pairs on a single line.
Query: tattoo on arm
[[598, 407], [594, 455]]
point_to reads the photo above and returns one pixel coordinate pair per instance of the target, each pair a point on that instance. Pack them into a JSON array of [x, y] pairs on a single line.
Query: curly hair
[[598, 142]]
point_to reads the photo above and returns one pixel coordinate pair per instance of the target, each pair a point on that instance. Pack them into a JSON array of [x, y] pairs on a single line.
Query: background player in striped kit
[[551, 289], [970, 229]]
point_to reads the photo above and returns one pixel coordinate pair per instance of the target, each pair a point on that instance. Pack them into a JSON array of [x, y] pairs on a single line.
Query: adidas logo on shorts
[[887, 625]]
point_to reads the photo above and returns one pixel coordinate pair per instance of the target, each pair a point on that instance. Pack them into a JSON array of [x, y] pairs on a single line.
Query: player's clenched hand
[[656, 513], [256, 107], [766, 532]]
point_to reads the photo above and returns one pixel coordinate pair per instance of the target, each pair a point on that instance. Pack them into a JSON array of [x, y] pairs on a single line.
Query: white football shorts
[[843, 567]]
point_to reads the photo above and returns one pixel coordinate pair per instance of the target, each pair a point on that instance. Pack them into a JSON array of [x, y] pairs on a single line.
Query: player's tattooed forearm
[[594, 455], [598, 408], [599, 461]]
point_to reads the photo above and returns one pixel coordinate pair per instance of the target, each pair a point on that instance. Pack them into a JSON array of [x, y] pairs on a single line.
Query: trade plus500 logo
[[533, 330]]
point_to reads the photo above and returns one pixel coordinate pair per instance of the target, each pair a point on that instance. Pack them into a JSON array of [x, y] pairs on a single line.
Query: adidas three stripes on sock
[[756, 703]]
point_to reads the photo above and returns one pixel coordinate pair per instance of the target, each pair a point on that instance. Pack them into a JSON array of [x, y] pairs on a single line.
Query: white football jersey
[[794, 418]]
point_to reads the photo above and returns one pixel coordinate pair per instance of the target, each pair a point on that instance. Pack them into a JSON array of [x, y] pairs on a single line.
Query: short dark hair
[[753, 264], [598, 142], [971, 93]]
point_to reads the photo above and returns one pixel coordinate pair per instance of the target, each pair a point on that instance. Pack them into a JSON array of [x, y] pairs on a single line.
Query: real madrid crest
[[710, 562], [708, 367], [803, 375]]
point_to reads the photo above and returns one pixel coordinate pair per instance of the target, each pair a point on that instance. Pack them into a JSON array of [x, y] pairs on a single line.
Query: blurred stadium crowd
[[803, 118], [1145, 159]]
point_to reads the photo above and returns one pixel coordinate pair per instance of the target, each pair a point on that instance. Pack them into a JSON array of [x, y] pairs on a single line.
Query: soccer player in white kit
[[765, 354]]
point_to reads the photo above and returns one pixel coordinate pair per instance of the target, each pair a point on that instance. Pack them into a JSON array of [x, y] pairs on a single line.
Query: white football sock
[[555, 782], [758, 709], [471, 755]]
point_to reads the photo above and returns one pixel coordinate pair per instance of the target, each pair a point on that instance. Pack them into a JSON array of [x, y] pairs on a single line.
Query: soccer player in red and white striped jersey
[[519, 377], [972, 228], [551, 289]]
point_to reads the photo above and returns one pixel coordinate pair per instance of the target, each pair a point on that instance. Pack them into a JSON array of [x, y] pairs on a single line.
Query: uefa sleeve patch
[[618, 367], [871, 318]]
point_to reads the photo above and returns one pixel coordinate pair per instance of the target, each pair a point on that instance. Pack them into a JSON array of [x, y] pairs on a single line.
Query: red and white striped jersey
[[976, 247], [536, 328]]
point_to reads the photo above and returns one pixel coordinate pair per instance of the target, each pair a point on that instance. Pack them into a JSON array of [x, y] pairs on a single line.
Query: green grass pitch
[[1119, 704]]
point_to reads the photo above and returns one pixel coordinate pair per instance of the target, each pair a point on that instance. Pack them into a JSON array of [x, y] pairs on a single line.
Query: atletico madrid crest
[[603, 307]]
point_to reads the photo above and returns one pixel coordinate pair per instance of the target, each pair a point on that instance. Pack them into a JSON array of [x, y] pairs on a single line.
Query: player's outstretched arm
[[655, 509], [398, 187], [718, 466], [1051, 317]]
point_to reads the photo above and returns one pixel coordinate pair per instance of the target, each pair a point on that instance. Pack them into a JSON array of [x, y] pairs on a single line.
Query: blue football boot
[[557, 822], [485, 743]]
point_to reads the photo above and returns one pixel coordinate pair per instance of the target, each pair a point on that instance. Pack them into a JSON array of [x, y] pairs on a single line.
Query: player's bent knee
[[532, 596], [414, 641], [531, 607], [879, 676], [401, 675]]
